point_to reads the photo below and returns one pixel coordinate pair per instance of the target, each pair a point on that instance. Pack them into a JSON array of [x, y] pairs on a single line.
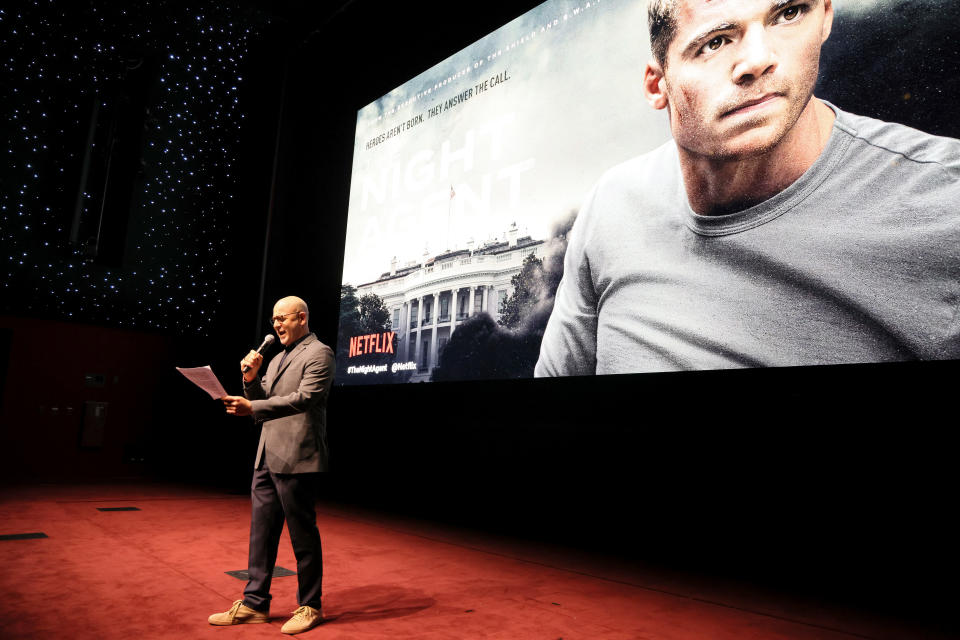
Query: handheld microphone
[[267, 341]]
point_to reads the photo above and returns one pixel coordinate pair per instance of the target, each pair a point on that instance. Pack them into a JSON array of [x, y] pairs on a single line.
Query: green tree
[[528, 289], [349, 320], [374, 315]]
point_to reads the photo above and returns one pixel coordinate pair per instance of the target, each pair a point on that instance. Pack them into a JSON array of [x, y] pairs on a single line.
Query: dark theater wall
[[58, 374], [138, 146]]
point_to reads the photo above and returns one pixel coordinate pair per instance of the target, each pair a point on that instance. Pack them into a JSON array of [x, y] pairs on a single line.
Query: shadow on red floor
[[159, 571]]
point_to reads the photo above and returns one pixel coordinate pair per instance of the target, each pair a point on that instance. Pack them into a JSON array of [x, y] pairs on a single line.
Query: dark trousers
[[275, 498]]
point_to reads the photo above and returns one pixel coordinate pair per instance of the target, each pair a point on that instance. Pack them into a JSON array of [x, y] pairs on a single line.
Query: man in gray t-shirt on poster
[[773, 230]]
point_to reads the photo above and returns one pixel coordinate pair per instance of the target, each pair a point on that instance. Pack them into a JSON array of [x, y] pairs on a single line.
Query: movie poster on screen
[[467, 178], [464, 182]]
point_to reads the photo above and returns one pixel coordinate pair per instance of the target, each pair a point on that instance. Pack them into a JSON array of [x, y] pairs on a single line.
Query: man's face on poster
[[739, 73]]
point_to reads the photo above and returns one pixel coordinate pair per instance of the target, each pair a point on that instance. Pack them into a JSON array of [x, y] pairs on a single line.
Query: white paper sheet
[[204, 378]]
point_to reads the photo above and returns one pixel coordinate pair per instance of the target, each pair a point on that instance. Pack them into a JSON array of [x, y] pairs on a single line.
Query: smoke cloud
[[481, 349]]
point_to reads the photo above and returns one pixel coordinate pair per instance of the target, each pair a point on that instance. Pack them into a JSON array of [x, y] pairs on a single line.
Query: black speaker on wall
[[113, 158]]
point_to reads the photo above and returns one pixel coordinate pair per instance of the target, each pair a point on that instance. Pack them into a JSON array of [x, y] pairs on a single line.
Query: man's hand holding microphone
[[249, 367]]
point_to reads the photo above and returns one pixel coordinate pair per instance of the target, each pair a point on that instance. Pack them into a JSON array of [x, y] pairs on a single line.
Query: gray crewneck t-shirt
[[857, 261]]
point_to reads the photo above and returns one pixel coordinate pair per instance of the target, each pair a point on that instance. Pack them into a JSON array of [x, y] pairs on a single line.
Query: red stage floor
[[160, 571]]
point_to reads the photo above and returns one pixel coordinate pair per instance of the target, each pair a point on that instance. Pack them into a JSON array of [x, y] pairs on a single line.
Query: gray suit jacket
[[292, 405]]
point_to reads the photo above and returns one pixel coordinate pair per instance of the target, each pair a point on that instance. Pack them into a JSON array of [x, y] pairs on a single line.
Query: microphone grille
[[268, 339]]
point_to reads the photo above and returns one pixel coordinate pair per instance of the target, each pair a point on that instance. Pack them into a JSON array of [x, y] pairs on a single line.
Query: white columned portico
[[432, 362], [401, 334], [453, 309], [416, 342]]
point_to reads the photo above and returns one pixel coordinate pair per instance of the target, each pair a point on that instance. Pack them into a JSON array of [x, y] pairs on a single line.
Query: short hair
[[662, 24]]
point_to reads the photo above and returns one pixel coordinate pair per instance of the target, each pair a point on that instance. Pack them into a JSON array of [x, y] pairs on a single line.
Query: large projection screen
[[467, 180]]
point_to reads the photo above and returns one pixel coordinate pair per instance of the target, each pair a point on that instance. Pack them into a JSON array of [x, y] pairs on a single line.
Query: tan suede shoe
[[303, 618], [239, 614]]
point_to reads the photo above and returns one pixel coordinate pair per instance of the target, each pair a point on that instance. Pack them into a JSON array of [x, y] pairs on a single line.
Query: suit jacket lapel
[[290, 358]]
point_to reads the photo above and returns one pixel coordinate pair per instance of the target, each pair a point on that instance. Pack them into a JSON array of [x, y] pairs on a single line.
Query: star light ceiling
[[59, 60]]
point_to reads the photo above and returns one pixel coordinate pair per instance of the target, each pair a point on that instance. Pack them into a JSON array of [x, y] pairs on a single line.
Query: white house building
[[428, 300]]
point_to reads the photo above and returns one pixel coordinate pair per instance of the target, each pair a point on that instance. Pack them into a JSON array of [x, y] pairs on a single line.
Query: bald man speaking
[[291, 403]]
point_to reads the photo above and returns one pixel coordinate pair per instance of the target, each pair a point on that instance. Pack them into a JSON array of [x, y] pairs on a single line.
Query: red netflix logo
[[372, 343]]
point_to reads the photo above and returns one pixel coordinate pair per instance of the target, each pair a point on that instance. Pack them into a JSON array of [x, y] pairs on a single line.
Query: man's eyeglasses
[[282, 317]]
